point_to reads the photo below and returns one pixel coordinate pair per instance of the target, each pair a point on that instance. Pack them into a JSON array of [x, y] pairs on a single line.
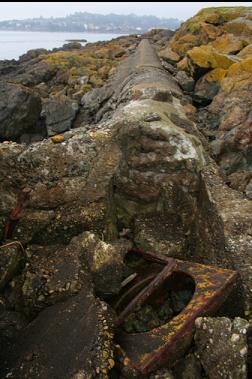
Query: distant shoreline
[[63, 31]]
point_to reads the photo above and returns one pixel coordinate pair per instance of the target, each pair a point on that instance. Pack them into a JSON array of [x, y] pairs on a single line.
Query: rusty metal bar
[[16, 213], [145, 352], [147, 291]]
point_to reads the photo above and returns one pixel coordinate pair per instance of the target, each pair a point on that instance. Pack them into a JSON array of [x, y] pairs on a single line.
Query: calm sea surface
[[14, 44]]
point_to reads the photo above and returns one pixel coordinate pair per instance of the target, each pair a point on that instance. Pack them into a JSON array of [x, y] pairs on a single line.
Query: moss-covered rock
[[206, 57], [228, 44]]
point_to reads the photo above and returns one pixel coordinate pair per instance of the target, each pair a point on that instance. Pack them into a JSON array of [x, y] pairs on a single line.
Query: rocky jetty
[[119, 155]]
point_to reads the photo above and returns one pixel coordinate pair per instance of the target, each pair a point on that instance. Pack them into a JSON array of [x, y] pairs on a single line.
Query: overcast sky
[[182, 11]]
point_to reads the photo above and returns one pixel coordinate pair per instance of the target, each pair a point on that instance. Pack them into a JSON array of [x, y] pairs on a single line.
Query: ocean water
[[14, 44]]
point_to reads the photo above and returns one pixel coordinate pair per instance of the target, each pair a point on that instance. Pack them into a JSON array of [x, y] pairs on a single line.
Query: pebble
[[58, 138]]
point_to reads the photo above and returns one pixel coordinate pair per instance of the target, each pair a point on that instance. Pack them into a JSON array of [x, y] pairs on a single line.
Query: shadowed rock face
[[142, 166], [19, 111]]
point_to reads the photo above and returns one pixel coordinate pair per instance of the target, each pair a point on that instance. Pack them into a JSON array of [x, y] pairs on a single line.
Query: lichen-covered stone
[[168, 55]]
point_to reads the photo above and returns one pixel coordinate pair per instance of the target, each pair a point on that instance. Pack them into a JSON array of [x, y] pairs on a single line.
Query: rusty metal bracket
[[145, 352], [16, 213]]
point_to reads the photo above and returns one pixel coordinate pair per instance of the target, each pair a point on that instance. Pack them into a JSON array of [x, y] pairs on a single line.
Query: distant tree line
[[91, 22]]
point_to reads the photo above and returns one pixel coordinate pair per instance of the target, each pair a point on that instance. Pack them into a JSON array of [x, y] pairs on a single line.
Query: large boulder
[[59, 113], [205, 57], [168, 55], [208, 86], [19, 111]]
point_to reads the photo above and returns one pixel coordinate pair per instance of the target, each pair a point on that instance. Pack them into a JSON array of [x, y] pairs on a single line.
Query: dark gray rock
[[221, 346], [92, 102], [19, 111], [31, 54], [185, 81], [188, 367], [59, 114], [11, 261], [71, 46], [205, 91], [69, 340]]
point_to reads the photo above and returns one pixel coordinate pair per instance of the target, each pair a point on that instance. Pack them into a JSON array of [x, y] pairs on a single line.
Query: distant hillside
[[91, 22]]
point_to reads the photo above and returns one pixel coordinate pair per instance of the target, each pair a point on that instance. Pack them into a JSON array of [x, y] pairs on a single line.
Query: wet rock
[[59, 113], [185, 82], [11, 262], [221, 346], [105, 261], [72, 339], [19, 111]]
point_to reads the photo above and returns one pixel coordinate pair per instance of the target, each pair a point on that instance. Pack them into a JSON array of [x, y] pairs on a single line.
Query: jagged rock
[[19, 111], [59, 114], [185, 82], [221, 346], [169, 67], [31, 54], [92, 101], [69, 340]]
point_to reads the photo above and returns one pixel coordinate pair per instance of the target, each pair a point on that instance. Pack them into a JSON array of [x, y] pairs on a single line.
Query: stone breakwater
[[140, 175]]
